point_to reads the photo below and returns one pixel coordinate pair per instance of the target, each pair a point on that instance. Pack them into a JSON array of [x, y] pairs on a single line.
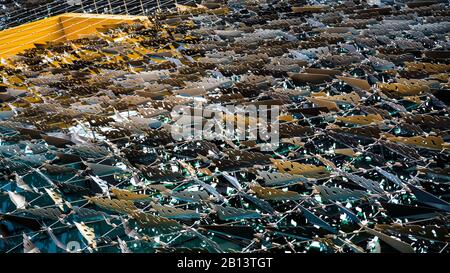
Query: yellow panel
[[81, 24], [17, 39], [59, 28]]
